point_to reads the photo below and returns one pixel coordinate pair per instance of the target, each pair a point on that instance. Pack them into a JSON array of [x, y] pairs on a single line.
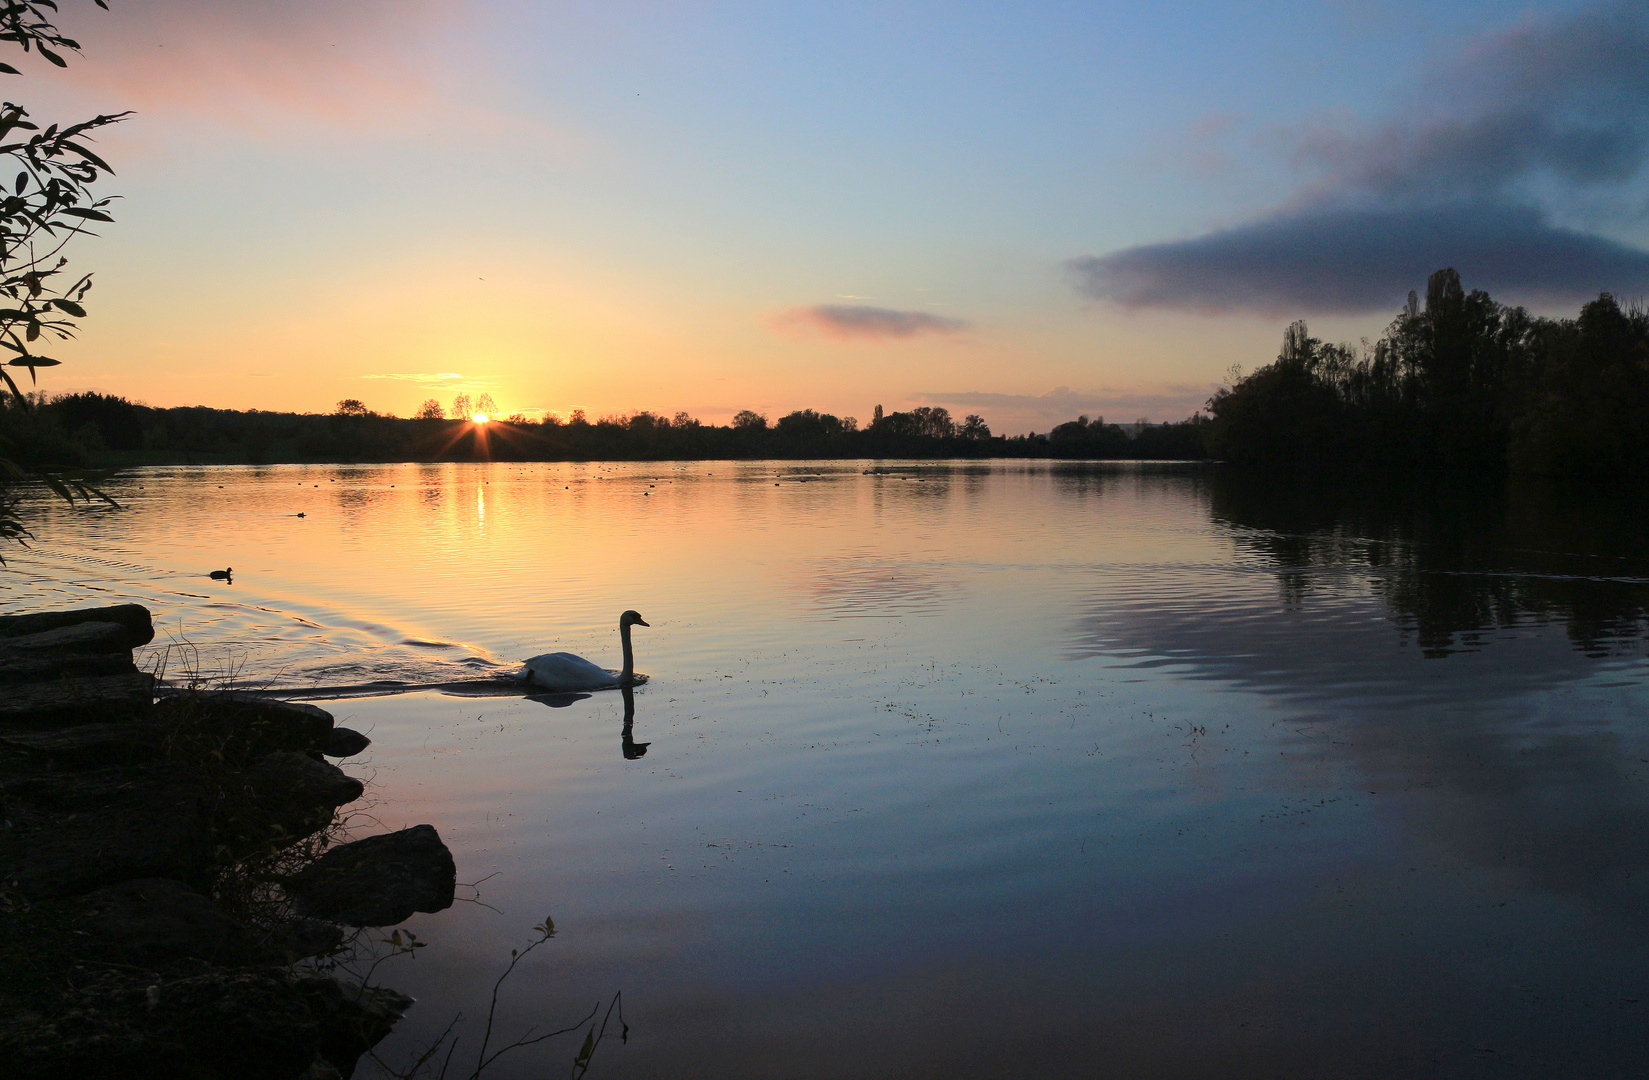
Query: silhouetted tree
[[350, 407], [430, 410], [1461, 384], [461, 409], [747, 419]]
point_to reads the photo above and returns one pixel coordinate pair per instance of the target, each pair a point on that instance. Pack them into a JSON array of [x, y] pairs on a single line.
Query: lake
[[1016, 769]]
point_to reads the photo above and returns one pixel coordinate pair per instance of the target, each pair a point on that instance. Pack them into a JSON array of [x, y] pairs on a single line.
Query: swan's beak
[[643, 622]]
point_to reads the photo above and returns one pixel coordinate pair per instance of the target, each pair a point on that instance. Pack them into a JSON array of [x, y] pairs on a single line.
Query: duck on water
[[563, 671]]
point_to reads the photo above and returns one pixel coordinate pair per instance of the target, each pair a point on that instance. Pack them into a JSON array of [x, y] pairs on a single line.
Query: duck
[[222, 575], [564, 672]]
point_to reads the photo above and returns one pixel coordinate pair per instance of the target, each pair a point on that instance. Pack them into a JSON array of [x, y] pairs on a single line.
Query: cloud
[[1568, 99], [1543, 123], [360, 63], [848, 322], [1063, 403], [1352, 260]]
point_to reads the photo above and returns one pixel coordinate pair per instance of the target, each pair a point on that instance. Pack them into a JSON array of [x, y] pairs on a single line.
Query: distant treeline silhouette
[[1462, 384], [102, 430]]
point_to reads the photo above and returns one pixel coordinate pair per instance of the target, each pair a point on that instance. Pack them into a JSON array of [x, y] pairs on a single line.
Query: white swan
[[564, 671]]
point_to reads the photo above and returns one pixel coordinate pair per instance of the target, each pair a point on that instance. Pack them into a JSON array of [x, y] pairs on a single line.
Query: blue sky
[[1027, 210]]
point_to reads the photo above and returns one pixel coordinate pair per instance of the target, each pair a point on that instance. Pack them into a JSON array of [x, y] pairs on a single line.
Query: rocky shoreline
[[172, 885]]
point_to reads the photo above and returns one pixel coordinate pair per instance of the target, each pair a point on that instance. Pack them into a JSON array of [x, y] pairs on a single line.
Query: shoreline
[[177, 891]]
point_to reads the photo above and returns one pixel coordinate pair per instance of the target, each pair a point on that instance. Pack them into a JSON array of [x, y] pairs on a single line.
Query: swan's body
[[564, 672], [222, 575]]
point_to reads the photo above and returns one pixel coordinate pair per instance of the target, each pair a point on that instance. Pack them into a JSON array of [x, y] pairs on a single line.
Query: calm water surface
[[1012, 770]]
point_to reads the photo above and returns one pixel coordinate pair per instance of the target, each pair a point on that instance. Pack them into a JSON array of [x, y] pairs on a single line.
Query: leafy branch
[[47, 203], [483, 1060]]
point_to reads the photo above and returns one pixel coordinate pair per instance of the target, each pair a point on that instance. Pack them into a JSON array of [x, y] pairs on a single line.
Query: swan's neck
[[629, 656]]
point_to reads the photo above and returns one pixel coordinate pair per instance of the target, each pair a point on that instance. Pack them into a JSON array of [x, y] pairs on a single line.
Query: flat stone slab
[[156, 920], [86, 637], [58, 703], [378, 881], [87, 746], [26, 666], [71, 833], [135, 618], [250, 725]]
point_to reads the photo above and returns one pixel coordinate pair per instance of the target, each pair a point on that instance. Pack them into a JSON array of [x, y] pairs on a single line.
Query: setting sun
[[479, 418]]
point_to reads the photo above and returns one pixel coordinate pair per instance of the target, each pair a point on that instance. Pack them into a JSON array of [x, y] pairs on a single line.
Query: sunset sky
[[1026, 210]]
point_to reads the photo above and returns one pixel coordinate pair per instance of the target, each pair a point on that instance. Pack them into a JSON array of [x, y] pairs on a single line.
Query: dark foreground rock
[[242, 728], [70, 833], [87, 746], [151, 920], [56, 702], [295, 792], [351, 1019], [378, 881], [138, 625], [238, 1024], [139, 933], [21, 666], [345, 742]]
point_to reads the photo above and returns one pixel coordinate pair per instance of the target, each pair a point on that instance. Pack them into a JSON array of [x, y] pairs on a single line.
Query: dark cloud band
[[1337, 260], [1558, 107]]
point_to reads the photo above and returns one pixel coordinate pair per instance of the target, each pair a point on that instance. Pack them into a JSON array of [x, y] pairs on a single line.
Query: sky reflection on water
[[984, 770]]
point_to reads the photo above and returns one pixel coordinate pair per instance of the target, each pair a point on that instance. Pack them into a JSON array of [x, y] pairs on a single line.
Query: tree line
[[1459, 384], [91, 429]]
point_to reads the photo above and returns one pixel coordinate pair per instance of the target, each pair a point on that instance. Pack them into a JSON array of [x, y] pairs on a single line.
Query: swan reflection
[[631, 748], [627, 743]]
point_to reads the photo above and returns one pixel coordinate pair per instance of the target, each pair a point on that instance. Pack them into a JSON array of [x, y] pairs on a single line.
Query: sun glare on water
[[479, 418]]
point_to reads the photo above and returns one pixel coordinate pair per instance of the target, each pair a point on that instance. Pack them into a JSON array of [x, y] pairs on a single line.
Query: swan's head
[[631, 618]]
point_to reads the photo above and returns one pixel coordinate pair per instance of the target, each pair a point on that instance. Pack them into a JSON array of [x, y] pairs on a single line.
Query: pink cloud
[[858, 322], [249, 60]]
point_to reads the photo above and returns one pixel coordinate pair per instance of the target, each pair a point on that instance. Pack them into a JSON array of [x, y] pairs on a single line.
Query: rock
[[21, 667], [248, 726], [85, 637], [139, 626], [72, 833], [378, 881], [87, 746], [156, 920], [296, 792], [237, 1024], [104, 699], [345, 742], [350, 1018], [299, 939], [321, 1069]]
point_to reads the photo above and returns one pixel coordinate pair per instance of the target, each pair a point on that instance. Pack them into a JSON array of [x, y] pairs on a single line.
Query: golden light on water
[[479, 418]]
